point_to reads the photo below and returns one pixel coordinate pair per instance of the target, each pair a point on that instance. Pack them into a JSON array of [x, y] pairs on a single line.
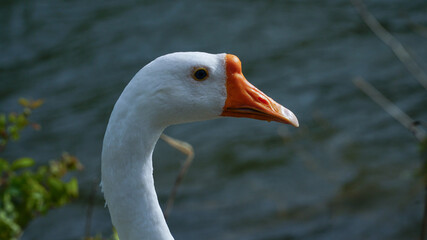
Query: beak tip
[[295, 123], [290, 117], [294, 120]]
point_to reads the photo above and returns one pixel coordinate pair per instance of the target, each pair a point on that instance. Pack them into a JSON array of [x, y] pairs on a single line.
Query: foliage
[[25, 192], [115, 236], [13, 123]]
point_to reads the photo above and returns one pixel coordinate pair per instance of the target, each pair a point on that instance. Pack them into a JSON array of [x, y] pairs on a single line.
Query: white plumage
[[167, 91]]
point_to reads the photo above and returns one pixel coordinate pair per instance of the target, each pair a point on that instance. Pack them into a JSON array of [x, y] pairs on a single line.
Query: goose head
[[193, 86], [172, 89]]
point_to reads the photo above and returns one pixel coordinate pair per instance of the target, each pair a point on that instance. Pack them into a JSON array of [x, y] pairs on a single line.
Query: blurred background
[[349, 171]]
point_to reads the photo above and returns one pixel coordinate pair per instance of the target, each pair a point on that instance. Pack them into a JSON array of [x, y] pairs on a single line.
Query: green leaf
[[115, 234], [14, 132], [24, 102], [72, 187], [55, 185], [2, 121], [21, 121], [12, 117], [22, 163], [26, 193], [36, 103], [4, 165], [8, 227]]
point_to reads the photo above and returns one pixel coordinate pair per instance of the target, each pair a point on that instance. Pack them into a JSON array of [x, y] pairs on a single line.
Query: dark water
[[349, 171]]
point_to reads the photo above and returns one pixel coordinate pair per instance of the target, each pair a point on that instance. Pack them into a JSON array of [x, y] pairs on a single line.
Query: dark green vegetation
[[25, 191]]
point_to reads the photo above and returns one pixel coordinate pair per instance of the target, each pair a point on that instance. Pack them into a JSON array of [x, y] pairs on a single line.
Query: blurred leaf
[[22, 163], [14, 132], [32, 104], [115, 234], [12, 117], [3, 121], [36, 103], [24, 102], [72, 187], [8, 228], [21, 121], [4, 165]]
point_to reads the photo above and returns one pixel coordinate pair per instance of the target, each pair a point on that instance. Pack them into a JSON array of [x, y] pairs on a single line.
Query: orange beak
[[245, 100]]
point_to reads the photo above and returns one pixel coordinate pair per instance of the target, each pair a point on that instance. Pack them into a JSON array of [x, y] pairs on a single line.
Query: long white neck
[[127, 173]]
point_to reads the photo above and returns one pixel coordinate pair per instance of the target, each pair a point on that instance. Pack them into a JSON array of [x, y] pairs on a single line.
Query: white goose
[[172, 89]]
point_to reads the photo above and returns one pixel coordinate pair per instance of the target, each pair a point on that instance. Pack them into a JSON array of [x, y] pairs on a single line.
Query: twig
[[424, 223], [188, 150], [399, 50], [407, 122], [89, 212], [390, 108], [423, 235]]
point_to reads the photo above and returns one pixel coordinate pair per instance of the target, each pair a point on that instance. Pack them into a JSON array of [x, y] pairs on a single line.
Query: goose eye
[[200, 74]]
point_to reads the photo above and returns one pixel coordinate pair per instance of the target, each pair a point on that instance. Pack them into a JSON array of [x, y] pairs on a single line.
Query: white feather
[[160, 94]]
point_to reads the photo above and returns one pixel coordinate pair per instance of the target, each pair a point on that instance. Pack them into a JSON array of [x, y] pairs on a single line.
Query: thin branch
[[188, 150], [407, 122], [399, 50], [390, 108], [423, 235], [89, 212]]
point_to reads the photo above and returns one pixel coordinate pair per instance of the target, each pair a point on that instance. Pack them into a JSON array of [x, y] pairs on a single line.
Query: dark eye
[[200, 74]]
